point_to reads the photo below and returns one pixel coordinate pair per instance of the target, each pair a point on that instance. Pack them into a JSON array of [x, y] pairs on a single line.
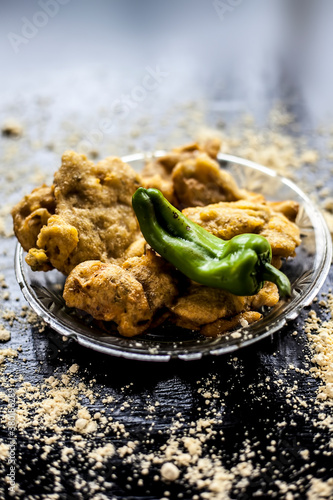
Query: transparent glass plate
[[307, 273]]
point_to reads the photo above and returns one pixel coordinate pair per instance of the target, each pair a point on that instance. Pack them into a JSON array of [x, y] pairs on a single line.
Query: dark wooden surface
[[60, 85]]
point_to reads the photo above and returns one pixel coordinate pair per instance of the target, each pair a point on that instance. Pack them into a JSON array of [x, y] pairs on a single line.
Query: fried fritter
[[201, 305], [212, 310], [31, 213], [268, 296], [94, 217], [227, 220], [199, 181], [157, 171], [158, 278], [130, 295], [108, 293]]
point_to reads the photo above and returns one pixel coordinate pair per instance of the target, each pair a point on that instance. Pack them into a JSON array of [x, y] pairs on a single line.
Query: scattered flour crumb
[[4, 451], [169, 471], [7, 353], [320, 489], [11, 128], [74, 368], [4, 334], [85, 424], [305, 454]]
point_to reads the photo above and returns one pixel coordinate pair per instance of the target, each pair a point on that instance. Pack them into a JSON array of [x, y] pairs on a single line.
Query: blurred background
[[237, 54]]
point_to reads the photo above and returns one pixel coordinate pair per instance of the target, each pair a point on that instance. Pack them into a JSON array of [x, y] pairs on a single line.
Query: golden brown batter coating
[[227, 220], [157, 171], [58, 239], [108, 293], [210, 146], [268, 296], [289, 208], [31, 213], [283, 235], [129, 295], [223, 325], [203, 305], [38, 260], [94, 216], [161, 181], [158, 278], [199, 181]]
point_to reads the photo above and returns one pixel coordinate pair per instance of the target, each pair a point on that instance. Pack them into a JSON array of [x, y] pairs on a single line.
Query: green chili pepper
[[240, 265]]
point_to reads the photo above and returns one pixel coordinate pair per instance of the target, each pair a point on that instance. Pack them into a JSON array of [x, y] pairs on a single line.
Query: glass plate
[[307, 273]]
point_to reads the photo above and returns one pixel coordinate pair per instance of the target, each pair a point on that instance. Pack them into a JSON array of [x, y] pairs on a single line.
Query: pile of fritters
[[85, 227]]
